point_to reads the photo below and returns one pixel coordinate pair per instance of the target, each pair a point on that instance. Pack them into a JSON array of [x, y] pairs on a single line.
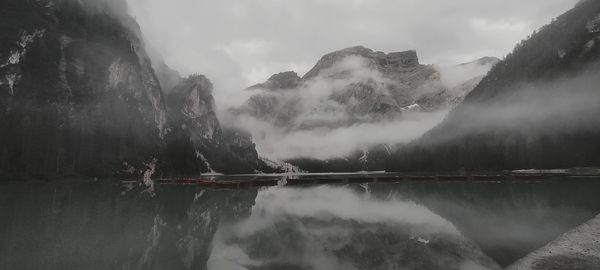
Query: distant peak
[[284, 76], [283, 80], [394, 59]]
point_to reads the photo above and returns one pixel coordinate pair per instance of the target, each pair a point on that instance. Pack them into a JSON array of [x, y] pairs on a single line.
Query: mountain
[[283, 80], [356, 85], [196, 140], [537, 108], [344, 93], [79, 96]]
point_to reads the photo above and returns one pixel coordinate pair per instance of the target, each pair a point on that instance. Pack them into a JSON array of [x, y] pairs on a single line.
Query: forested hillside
[[539, 107]]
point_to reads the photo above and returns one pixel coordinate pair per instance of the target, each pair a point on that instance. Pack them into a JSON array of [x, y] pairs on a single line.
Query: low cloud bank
[[276, 142], [336, 113], [562, 106]]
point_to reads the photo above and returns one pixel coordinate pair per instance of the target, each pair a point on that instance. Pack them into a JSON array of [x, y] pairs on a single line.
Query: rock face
[[79, 95], [378, 60], [196, 141], [355, 85]]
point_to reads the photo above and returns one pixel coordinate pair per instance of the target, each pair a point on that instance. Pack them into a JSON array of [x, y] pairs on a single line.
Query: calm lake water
[[411, 225]]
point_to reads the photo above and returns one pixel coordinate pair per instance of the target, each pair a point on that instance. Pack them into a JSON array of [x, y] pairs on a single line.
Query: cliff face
[[78, 93], [377, 60], [196, 142]]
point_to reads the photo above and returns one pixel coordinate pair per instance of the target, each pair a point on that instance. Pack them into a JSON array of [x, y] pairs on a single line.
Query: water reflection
[[99, 226]]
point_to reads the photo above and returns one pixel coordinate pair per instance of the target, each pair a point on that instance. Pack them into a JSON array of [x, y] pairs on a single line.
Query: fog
[[321, 127], [561, 106], [274, 142]]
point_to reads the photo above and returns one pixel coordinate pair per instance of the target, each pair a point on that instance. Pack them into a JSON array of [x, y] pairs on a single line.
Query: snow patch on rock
[[22, 45]]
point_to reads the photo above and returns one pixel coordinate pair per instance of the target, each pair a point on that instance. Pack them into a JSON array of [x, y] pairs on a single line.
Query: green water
[[91, 225]]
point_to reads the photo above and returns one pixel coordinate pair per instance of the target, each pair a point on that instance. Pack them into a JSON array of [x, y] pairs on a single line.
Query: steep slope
[[196, 142], [79, 96], [536, 108], [77, 92]]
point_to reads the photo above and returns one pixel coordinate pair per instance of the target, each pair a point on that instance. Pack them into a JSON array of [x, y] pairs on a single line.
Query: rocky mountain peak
[[404, 59], [377, 59], [283, 80], [349, 88], [199, 83]]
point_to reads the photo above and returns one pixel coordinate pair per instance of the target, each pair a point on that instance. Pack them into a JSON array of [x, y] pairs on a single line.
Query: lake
[[411, 224]]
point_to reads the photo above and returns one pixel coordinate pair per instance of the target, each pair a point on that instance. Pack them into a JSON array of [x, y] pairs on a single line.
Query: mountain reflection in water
[[412, 225]]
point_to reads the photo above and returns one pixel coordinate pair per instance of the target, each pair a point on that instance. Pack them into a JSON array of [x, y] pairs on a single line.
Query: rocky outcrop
[[378, 60], [196, 142]]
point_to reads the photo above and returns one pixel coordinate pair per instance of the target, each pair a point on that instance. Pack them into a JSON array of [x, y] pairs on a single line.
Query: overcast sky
[[237, 43]]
